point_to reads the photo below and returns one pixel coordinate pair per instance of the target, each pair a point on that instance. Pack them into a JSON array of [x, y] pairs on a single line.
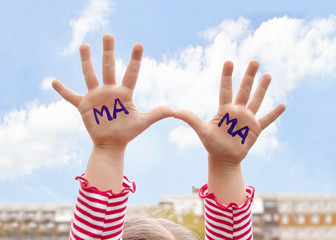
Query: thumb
[[193, 120], [157, 114]]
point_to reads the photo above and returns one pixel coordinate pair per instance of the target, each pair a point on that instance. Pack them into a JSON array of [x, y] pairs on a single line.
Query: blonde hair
[[140, 228]]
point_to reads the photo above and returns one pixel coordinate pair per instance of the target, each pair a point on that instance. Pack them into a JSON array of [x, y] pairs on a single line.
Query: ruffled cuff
[[98, 214], [227, 221], [128, 187], [204, 194]]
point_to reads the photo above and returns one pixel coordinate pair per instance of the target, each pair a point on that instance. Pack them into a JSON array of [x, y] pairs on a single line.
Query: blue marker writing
[[242, 132], [107, 112]]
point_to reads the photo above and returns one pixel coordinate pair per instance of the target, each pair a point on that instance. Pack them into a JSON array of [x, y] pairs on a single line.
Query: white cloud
[[292, 50], [46, 82], [37, 136], [184, 137], [92, 18]]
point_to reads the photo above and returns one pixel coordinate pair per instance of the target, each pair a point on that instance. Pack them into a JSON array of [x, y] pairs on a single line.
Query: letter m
[[101, 113], [233, 122]]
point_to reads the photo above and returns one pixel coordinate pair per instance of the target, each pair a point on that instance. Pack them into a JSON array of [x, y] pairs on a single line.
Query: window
[[284, 219], [31, 225], [63, 227], [275, 217], [267, 217], [327, 205], [314, 205], [315, 232], [300, 219], [301, 233], [285, 233], [283, 206], [255, 219], [29, 215], [328, 232], [63, 215], [315, 219], [47, 215], [48, 226], [269, 204], [328, 219], [299, 206], [13, 225], [13, 215]]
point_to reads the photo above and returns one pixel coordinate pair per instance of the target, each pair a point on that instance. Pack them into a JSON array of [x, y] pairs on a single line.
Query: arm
[[112, 121], [228, 137]]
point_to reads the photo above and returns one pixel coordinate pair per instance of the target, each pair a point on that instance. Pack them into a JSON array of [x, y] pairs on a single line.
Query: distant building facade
[[279, 216], [34, 221], [295, 216], [183, 204]]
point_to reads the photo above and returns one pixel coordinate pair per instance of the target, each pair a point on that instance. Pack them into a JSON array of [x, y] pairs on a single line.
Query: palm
[[219, 143], [118, 130], [108, 111], [231, 141]]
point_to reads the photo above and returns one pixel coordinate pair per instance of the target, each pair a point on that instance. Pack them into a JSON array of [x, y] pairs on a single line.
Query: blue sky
[[44, 144]]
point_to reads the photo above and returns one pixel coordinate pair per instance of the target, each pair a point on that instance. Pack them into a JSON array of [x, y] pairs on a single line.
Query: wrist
[[223, 165], [105, 168], [110, 147], [225, 180]]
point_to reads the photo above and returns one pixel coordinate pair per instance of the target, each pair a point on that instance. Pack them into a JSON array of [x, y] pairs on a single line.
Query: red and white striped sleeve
[[99, 215], [227, 221]]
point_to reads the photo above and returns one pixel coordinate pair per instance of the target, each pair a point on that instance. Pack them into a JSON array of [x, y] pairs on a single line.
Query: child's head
[[158, 229]]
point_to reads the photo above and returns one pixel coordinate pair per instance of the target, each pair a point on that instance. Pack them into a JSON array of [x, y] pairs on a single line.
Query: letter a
[[241, 134], [116, 110], [104, 108]]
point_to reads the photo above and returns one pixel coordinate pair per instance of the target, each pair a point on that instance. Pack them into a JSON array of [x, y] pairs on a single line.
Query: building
[[35, 221], [306, 216], [183, 204], [276, 216]]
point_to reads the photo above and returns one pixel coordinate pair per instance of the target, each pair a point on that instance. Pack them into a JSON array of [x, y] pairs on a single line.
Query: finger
[[259, 94], [270, 117], [108, 60], [87, 67], [225, 92], [157, 114], [193, 120], [243, 94], [133, 67], [66, 93]]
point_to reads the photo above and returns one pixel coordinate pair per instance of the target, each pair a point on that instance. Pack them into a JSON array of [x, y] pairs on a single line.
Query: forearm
[[102, 199], [105, 168], [226, 181], [227, 202]]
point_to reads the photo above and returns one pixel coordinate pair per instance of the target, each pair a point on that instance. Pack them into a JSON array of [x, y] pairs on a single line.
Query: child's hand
[[232, 132], [230, 141], [122, 121], [109, 114]]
